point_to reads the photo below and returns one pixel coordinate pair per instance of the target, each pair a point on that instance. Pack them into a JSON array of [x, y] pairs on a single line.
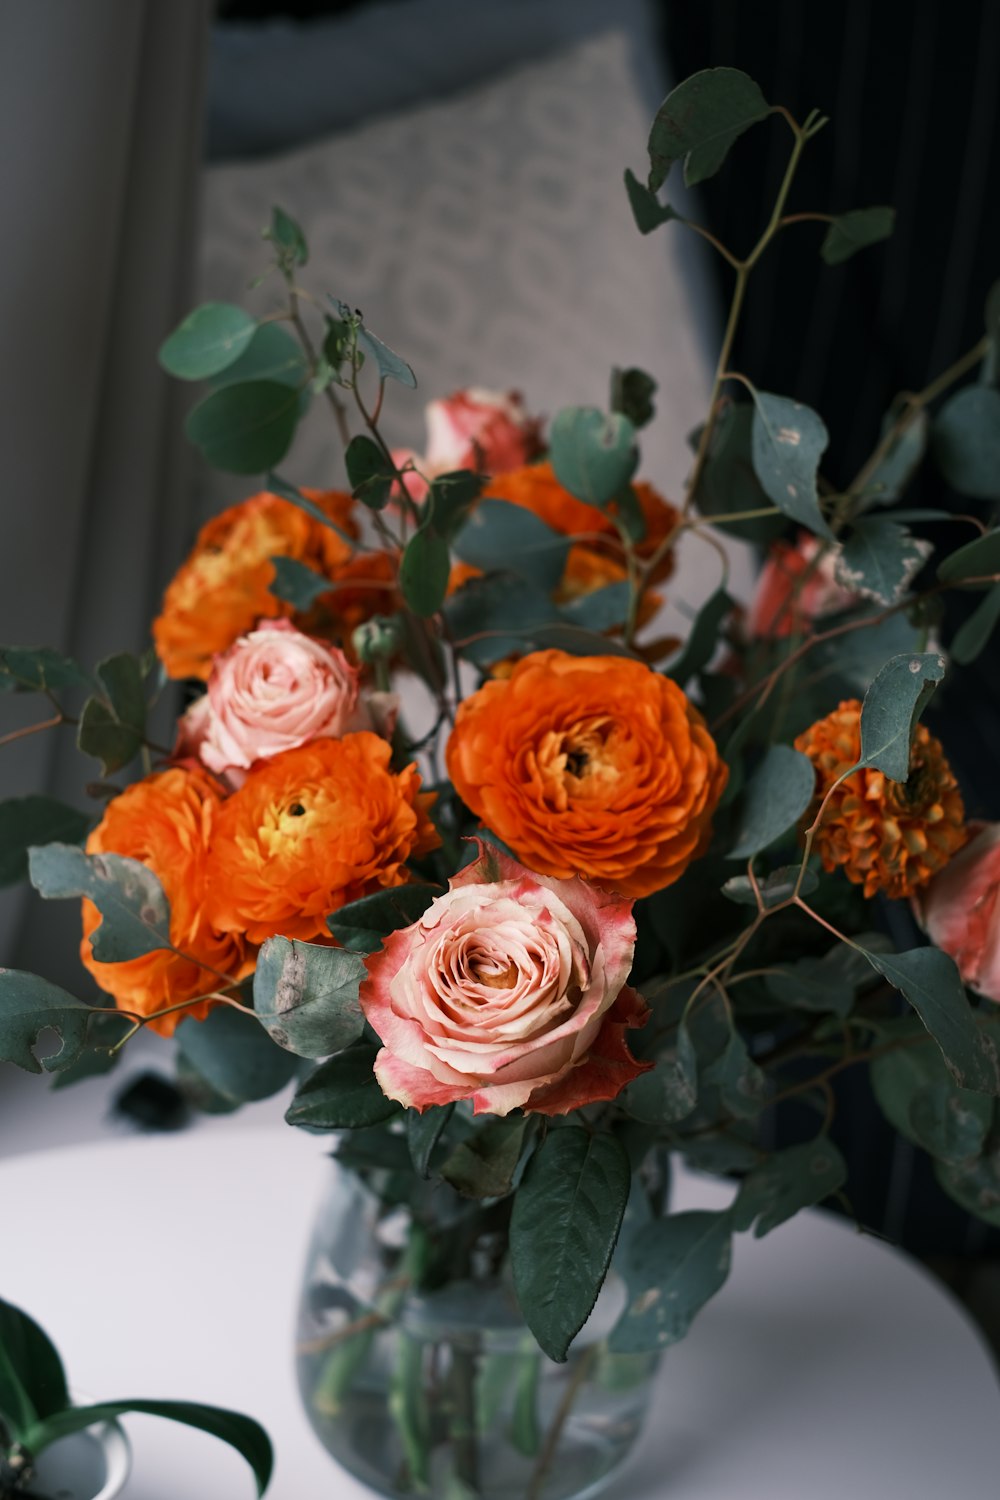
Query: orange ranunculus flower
[[364, 585], [223, 588], [889, 836], [589, 765], [310, 830], [536, 488], [166, 822]]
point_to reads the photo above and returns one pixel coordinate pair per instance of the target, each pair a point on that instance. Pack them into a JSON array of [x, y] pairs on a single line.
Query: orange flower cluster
[[593, 766], [308, 831], [888, 836], [223, 587], [536, 488]]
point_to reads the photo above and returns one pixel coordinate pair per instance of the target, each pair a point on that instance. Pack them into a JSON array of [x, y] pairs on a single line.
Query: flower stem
[[547, 1456]]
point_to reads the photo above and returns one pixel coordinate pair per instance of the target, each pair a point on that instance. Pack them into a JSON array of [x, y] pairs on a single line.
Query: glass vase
[[420, 1381]]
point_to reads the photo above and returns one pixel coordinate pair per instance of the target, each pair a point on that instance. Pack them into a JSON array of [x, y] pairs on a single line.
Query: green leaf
[[450, 497], [287, 238], [829, 983], [30, 1005], [562, 636], [272, 354], [703, 639], [930, 981], [774, 888], [966, 441], [209, 339], [670, 1092], [856, 230], [297, 583], [498, 532], [977, 559], [35, 820], [632, 393], [280, 487], [594, 454], [788, 1181], [424, 571], [647, 210], [361, 925], [38, 669], [891, 708], [242, 1433], [245, 429], [233, 1054], [773, 801], [306, 996], [672, 1267], [567, 1214], [390, 365], [128, 895], [342, 1094], [485, 1165], [919, 1097], [897, 468], [974, 1185], [103, 736], [370, 473], [423, 1131], [880, 559], [787, 442], [700, 120], [742, 1086], [974, 633], [604, 609], [728, 482], [32, 1379], [503, 603]]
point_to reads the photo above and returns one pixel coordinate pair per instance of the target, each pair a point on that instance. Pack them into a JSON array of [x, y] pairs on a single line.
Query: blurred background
[[457, 166]]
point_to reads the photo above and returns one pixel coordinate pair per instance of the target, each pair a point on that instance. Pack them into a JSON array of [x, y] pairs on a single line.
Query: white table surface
[[830, 1365]]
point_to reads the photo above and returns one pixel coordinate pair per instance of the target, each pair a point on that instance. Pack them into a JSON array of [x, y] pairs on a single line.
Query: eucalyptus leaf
[[128, 895], [39, 669], [35, 820], [855, 231], [700, 120], [561, 635], [424, 571], [670, 1092], [342, 1094], [826, 984], [774, 799], [101, 734], [977, 559], [565, 1223], [211, 337], [894, 472], [29, 1006], [974, 1185], [930, 981], [632, 393], [703, 640], [275, 485], [647, 210], [449, 499], [891, 708], [966, 441], [788, 1181], [728, 482], [743, 1087], [361, 925], [497, 531], [306, 996], [246, 428], [287, 238], [594, 453], [604, 609], [235, 1056], [787, 442], [774, 888], [921, 1100], [370, 472], [880, 559], [974, 633], [503, 609], [672, 1267], [272, 354], [296, 583]]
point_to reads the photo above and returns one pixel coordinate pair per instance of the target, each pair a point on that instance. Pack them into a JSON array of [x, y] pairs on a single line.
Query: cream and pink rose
[[960, 910], [509, 991], [273, 690], [489, 431]]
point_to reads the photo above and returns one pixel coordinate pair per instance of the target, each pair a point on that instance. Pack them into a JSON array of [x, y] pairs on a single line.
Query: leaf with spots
[[892, 706], [129, 897], [787, 442], [880, 559], [30, 1005], [788, 1181], [306, 996], [919, 1097], [671, 1268]]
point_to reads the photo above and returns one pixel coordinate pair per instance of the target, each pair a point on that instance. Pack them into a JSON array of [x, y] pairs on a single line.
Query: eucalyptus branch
[[298, 322], [28, 729]]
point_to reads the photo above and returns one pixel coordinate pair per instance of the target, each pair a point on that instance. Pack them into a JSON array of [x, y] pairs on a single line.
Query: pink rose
[[509, 991], [273, 690], [782, 603], [475, 429], [960, 910]]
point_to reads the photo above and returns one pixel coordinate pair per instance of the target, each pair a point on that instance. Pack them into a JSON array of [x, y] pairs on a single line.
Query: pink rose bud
[[791, 592], [273, 690], [488, 431], [960, 910], [509, 991]]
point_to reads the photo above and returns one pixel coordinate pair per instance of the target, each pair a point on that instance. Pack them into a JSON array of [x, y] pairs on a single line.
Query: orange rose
[[589, 765], [537, 489], [223, 588], [889, 836], [310, 830], [166, 821]]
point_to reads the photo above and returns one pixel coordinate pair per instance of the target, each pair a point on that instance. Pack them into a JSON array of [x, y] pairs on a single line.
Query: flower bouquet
[[524, 895]]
